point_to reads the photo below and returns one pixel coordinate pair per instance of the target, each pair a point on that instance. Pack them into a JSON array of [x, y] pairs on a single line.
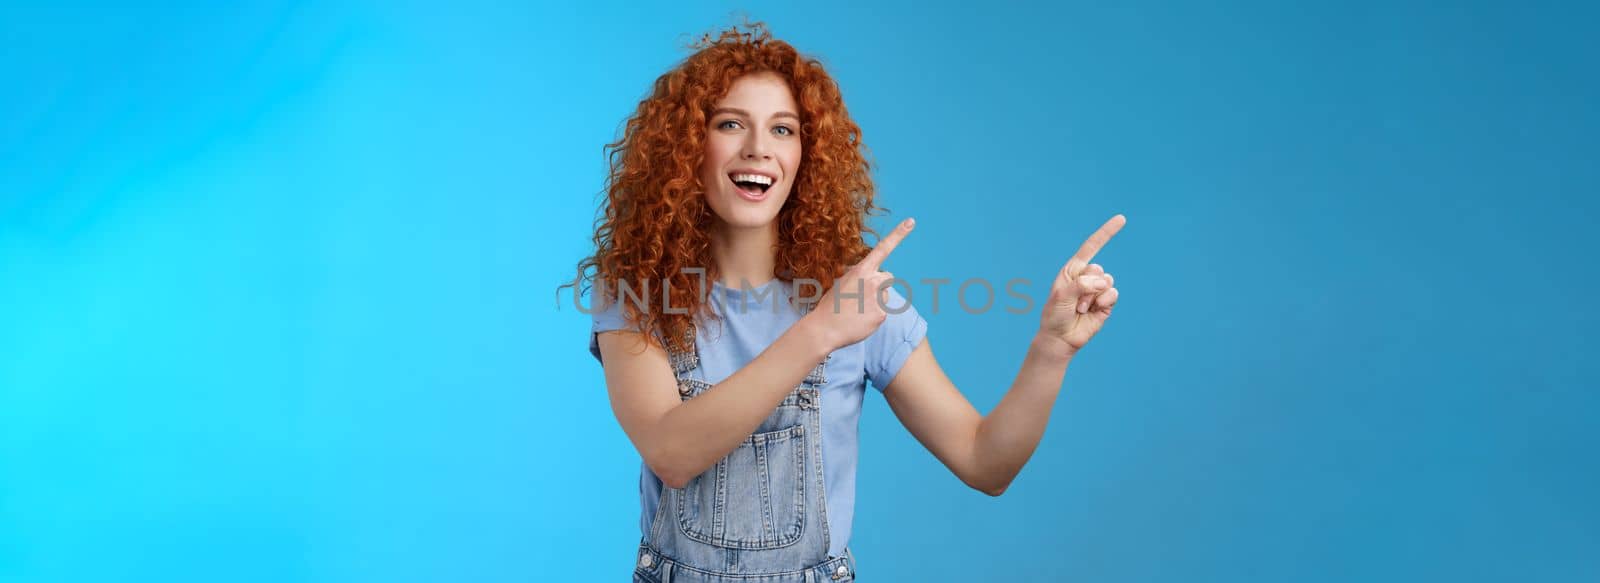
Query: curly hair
[[656, 222]]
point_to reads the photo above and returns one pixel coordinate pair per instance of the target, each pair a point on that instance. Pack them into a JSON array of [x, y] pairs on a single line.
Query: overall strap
[[818, 376], [684, 360]]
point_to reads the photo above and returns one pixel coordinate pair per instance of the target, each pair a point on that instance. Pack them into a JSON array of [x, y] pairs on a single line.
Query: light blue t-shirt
[[745, 330]]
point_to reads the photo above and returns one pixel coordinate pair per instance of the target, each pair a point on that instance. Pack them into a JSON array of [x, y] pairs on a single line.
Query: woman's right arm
[[679, 438]]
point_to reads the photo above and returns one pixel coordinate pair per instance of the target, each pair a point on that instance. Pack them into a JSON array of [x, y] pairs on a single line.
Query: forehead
[[759, 93]]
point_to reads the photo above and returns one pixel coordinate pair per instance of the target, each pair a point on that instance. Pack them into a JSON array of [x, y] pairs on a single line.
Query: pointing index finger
[[886, 245], [1087, 251]]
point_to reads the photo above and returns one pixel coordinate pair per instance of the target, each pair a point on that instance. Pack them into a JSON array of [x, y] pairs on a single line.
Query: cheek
[[791, 161], [708, 171], [718, 151], [712, 161]]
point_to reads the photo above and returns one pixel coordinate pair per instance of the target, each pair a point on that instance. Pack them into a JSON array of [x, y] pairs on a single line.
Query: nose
[[755, 147]]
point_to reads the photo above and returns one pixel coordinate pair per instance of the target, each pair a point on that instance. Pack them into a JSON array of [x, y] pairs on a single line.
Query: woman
[[744, 169]]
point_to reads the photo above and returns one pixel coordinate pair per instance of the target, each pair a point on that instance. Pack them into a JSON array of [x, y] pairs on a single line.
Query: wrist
[[1052, 347], [815, 336]]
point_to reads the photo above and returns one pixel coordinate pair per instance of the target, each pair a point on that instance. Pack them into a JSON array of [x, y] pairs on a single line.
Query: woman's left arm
[[987, 452]]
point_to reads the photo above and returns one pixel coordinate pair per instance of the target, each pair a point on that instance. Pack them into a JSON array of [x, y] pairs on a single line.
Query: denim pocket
[[754, 498]]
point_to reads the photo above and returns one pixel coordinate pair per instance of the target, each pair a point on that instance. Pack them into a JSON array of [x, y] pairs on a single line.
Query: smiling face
[[752, 151]]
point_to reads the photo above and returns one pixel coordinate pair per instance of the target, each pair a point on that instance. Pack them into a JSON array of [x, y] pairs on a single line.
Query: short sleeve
[[888, 347], [605, 319]]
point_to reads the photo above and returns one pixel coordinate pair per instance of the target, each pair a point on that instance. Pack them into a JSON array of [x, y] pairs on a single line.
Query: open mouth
[[753, 186]]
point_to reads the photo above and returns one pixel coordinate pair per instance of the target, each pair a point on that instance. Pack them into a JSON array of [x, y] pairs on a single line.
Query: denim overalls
[[759, 515]]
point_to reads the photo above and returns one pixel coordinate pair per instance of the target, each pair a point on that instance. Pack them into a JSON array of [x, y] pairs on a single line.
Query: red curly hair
[[656, 222]]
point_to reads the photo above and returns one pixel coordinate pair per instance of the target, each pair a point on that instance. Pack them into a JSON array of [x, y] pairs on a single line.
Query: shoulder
[[887, 348], [605, 315]]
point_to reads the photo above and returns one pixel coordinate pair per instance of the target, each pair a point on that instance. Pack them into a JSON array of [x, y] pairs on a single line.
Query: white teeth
[[756, 178]]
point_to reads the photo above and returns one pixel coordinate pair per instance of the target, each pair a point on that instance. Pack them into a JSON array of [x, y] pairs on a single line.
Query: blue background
[[277, 286]]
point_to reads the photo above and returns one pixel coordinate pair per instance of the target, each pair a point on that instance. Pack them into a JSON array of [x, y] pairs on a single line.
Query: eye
[[784, 130], [723, 125]]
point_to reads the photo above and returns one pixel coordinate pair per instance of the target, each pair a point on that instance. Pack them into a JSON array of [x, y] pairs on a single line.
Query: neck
[[744, 255]]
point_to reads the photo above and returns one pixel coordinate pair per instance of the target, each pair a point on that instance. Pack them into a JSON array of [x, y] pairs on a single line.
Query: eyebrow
[[747, 114]]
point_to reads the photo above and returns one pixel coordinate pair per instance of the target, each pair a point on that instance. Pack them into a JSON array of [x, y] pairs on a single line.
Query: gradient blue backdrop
[[277, 286]]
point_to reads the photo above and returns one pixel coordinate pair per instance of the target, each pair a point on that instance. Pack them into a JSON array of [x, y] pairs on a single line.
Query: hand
[[1082, 295], [850, 318]]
